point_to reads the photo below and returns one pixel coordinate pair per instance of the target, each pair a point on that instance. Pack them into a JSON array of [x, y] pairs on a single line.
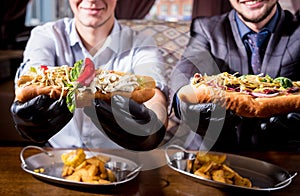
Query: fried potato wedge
[[213, 167]]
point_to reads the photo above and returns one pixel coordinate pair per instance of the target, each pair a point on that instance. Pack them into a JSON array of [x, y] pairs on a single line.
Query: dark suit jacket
[[216, 47]]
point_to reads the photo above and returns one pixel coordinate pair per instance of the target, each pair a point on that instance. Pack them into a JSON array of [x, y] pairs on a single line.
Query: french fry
[[82, 165], [75, 178], [93, 161], [101, 181], [213, 167], [205, 157], [218, 175], [201, 174], [88, 178], [238, 180], [206, 166], [93, 170], [67, 171], [228, 172], [89, 170]]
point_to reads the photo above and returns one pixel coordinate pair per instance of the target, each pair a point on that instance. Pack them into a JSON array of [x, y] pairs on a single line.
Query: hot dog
[[246, 95], [82, 82]]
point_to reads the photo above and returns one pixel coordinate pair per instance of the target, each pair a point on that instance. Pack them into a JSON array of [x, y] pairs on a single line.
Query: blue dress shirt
[[244, 31]]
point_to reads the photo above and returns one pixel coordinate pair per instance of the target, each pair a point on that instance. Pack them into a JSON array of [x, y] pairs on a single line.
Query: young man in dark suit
[[222, 44]]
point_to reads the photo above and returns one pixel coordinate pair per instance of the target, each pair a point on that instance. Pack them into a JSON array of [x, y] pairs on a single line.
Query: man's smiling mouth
[[251, 2]]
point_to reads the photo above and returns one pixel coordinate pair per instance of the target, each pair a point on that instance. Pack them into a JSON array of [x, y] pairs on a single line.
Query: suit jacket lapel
[[238, 59], [275, 50]]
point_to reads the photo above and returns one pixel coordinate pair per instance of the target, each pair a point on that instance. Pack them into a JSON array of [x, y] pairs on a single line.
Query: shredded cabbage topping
[[65, 78], [255, 85], [108, 81], [58, 77]]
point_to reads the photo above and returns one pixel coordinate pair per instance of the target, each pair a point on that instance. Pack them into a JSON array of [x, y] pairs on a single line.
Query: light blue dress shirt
[[57, 43]]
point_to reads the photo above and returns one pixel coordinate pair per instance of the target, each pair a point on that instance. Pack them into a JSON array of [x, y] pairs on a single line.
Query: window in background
[[171, 10], [163, 10], [41, 11], [174, 10], [187, 11]]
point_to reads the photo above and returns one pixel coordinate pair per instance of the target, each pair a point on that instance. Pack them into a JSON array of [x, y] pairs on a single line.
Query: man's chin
[[255, 17], [93, 23]]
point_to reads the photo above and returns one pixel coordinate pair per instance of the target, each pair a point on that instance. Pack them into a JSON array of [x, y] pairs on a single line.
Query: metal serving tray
[[52, 164], [264, 176]]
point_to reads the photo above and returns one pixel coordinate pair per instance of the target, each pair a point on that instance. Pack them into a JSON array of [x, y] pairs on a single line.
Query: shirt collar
[[113, 45], [74, 37], [244, 30], [113, 39]]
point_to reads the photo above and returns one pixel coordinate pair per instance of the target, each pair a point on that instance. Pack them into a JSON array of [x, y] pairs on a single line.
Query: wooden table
[[159, 181]]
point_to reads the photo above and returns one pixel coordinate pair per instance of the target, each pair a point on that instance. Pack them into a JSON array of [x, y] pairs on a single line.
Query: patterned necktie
[[256, 41]]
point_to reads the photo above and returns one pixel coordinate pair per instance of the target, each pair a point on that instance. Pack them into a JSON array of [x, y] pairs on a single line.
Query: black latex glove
[[213, 121], [199, 116], [290, 121], [127, 123], [40, 118], [284, 128]]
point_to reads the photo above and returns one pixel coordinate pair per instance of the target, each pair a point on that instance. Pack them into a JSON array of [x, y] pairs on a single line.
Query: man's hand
[[212, 121], [129, 124], [290, 121], [199, 116], [40, 118], [285, 127]]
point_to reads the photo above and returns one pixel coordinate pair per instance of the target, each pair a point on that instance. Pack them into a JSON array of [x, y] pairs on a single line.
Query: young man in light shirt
[[94, 32]]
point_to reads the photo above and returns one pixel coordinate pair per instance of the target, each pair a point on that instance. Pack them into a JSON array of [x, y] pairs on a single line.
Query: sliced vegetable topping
[[88, 73], [255, 85], [74, 74], [284, 82]]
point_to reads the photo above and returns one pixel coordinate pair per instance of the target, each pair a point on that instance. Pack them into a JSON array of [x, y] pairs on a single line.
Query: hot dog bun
[[243, 103], [30, 86]]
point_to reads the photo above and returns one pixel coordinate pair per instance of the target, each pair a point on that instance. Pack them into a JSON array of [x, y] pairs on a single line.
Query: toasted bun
[[141, 94], [242, 104], [26, 93]]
